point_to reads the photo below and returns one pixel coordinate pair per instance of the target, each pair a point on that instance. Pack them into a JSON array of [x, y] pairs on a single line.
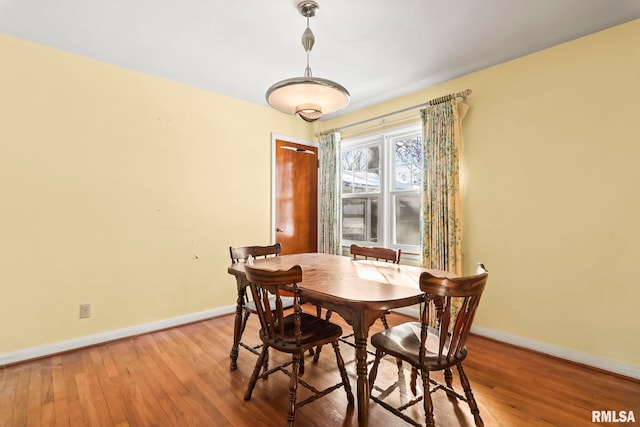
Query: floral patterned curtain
[[442, 204], [329, 194]]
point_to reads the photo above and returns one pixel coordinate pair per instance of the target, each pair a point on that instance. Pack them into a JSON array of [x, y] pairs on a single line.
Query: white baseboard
[[561, 352], [72, 344], [552, 350]]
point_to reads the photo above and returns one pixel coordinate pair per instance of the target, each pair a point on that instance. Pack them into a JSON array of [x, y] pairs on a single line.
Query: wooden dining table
[[361, 291]]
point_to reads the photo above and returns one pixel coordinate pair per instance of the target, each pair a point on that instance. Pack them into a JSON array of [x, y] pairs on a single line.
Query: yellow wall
[[117, 189], [121, 190], [551, 196]]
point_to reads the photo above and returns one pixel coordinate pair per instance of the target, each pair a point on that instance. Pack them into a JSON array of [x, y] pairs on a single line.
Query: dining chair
[[366, 252], [436, 343], [241, 254], [294, 333]]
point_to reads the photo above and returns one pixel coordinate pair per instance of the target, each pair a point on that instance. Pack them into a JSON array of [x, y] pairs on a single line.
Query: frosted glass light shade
[[297, 94]]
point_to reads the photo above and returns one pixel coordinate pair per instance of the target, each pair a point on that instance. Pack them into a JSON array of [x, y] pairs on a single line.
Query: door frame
[[274, 137]]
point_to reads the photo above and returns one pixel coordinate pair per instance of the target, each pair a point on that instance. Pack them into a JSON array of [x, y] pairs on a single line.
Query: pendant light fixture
[[308, 97]]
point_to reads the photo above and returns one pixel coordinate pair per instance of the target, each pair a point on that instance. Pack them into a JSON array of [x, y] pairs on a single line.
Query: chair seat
[[313, 330], [287, 302], [403, 341]]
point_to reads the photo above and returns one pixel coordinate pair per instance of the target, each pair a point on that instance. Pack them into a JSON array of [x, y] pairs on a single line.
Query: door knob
[[279, 230]]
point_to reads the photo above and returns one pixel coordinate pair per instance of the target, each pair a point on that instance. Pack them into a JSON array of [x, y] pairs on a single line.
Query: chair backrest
[[455, 299], [242, 253], [267, 283], [380, 254]]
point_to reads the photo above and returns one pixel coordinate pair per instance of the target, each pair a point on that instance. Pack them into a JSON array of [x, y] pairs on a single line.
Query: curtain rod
[[434, 101]]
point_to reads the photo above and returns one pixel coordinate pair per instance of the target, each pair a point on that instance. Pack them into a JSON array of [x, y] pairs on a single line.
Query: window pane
[[360, 219], [408, 161], [416, 176], [361, 170], [359, 185], [403, 177], [373, 159], [347, 172], [373, 181], [347, 182], [360, 160], [353, 219], [352, 162], [407, 220], [349, 160], [346, 159], [374, 220]]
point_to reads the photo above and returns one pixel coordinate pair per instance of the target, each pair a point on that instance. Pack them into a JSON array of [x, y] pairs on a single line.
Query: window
[[381, 189]]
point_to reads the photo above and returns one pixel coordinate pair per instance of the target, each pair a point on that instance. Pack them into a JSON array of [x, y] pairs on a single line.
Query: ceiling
[[377, 49]]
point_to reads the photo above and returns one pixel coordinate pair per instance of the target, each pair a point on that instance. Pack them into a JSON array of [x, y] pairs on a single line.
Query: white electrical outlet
[[85, 311]]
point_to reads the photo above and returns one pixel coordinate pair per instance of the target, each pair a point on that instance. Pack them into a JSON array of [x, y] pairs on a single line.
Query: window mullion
[[384, 193]]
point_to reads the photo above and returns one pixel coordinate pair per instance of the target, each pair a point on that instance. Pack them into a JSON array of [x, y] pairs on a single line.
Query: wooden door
[[296, 197]]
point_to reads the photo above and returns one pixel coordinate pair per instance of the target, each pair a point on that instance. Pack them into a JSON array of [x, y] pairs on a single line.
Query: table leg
[[236, 327], [361, 333]]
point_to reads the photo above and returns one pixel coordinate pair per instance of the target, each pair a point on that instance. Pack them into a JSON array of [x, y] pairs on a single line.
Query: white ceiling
[[377, 49]]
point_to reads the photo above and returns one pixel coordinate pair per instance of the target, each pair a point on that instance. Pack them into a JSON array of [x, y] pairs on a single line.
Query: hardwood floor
[[181, 377]]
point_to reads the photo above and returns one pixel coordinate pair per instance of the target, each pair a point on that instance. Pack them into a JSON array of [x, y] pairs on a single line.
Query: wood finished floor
[[181, 377]]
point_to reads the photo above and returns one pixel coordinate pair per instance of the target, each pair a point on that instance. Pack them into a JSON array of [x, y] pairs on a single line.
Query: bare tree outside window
[[408, 163]]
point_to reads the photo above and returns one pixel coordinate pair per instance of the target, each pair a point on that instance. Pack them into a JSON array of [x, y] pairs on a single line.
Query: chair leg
[[384, 321], [316, 356], [469, 395], [316, 352], [399, 364], [343, 372], [265, 363], [413, 380], [256, 373], [373, 373], [293, 389], [448, 377], [244, 324], [428, 404]]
